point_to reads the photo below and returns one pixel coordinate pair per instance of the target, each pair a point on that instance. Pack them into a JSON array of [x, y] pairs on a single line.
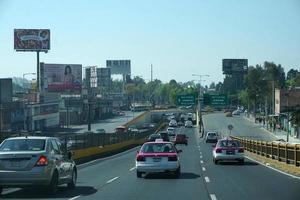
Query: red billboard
[[32, 39]]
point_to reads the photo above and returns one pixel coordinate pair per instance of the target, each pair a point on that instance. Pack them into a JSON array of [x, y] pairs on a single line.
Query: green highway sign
[[186, 100], [215, 99]]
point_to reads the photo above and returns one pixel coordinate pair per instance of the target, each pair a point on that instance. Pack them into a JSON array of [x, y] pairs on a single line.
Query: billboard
[[61, 77], [104, 77], [32, 39], [230, 66], [119, 66]]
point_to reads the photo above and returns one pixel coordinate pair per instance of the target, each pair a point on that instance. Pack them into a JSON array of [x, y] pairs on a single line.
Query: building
[[5, 103]]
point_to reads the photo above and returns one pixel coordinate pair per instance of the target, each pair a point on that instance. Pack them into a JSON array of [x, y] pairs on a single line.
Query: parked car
[[36, 161], [228, 149], [211, 136], [188, 124], [157, 156], [181, 139]]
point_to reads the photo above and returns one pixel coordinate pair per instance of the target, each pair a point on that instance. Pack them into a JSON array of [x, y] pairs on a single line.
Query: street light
[[199, 96]]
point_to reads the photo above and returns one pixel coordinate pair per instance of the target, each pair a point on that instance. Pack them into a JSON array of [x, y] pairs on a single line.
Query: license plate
[[156, 159], [15, 164], [230, 152]]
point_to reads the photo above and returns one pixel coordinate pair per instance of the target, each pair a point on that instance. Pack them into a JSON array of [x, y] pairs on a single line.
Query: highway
[[114, 178]]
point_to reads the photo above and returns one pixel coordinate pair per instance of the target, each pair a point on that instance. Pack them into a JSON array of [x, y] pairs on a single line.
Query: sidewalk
[[278, 133]]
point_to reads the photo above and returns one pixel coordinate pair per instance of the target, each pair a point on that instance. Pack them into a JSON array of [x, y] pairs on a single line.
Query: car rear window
[[229, 143], [158, 148], [23, 145]]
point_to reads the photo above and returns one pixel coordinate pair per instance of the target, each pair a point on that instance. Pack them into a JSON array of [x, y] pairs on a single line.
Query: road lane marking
[[10, 190], [73, 198], [201, 156], [213, 197], [207, 179], [201, 161], [277, 170], [132, 169], [113, 179], [203, 169]]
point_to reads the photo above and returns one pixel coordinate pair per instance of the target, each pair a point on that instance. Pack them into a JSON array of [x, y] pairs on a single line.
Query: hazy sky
[[179, 37]]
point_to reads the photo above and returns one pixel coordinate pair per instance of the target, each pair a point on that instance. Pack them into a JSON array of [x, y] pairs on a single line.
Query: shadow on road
[[63, 192], [248, 163], [184, 175]]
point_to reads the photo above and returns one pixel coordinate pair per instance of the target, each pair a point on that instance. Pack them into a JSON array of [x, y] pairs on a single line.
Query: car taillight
[[241, 150], [43, 161], [140, 158], [172, 158], [218, 150]]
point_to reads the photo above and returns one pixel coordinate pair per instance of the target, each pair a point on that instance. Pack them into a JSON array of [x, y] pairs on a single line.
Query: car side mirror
[[179, 151]]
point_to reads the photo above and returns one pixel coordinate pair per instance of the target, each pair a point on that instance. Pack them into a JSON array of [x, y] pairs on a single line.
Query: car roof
[[160, 142], [29, 137]]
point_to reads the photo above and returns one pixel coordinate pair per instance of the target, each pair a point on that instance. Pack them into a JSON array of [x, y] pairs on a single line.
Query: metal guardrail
[[283, 152]]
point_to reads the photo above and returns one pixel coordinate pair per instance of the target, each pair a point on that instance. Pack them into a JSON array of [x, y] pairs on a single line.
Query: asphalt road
[[115, 178]]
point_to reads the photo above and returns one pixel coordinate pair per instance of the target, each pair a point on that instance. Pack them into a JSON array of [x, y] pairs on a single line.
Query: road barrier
[[283, 152]]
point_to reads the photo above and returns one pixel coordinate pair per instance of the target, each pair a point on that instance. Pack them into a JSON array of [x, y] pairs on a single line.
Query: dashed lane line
[[73, 198], [213, 197], [203, 169], [207, 179], [132, 169], [113, 179], [201, 161]]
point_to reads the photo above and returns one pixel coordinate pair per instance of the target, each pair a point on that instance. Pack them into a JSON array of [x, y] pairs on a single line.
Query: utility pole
[[151, 73]]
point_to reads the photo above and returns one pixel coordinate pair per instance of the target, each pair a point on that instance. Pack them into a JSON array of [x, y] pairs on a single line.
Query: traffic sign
[[186, 100], [215, 99]]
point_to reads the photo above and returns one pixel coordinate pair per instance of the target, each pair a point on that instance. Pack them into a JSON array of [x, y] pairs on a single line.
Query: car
[[173, 123], [157, 157], [181, 139], [228, 149], [36, 161], [171, 133], [228, 114], [164, 135], [236, 112], [188, 124], [100, 131], [180, 123], [211, 136], [153, 137]]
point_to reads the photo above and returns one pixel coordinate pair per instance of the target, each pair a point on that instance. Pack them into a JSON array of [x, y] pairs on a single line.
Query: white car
[[228, 149], [171, 133], [188, 124], [211, 136], [173, 123], [158, 156]]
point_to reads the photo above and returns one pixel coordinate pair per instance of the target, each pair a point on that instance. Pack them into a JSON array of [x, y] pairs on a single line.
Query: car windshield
[[23, 145], [228, 143], [158, 148]]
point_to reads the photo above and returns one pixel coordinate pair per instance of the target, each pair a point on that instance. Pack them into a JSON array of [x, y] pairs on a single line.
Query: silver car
[[36, 161]]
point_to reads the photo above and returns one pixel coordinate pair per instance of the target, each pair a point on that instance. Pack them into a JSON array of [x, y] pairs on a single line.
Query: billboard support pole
[[38, 71]]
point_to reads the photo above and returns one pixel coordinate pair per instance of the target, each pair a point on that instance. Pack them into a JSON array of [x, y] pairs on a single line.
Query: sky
[[179, 38]]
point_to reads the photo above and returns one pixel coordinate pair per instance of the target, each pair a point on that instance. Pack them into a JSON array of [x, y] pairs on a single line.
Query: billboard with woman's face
[[32, 39], [61, 77]]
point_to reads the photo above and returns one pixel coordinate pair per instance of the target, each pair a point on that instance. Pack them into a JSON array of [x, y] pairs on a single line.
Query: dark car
[[153, 137], [181, 139], [164, 135]]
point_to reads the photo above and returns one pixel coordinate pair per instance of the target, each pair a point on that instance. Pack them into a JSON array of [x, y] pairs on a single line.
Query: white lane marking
[[73, 198], [277, 170], [213, 197], [113, 179], [10, 190], [207, 179], [203, 169], [132, 169], [201, 161], [201, 156]]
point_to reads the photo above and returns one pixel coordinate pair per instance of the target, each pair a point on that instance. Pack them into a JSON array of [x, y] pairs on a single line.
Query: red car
[[181, 139]]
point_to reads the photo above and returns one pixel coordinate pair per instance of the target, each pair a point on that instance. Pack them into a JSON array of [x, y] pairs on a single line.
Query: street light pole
[[199, 116]]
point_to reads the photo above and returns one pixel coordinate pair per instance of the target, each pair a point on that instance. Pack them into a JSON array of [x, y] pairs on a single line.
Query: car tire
[[178, 172], [1, 189], [53, 184], [72, 183], [242, 161], [138, 174], [216, 161]]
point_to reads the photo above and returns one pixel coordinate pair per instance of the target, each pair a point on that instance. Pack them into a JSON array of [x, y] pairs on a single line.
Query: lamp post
[[199, 98]]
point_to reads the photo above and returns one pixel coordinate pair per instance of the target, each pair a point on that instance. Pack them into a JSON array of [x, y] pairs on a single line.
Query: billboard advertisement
[[61, 77], [32, 39], [234, 65], [119, 66]]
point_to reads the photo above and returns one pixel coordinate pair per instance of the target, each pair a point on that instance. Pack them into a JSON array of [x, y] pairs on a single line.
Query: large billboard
[[32, 39], [119, 66], [61, 77], [234, 66]]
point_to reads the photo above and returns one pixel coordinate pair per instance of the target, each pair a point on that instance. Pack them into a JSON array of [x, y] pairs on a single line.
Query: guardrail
[[283, 152]]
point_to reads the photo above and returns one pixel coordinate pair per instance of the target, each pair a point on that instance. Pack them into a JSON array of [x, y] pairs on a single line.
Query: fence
[[283, 152]]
